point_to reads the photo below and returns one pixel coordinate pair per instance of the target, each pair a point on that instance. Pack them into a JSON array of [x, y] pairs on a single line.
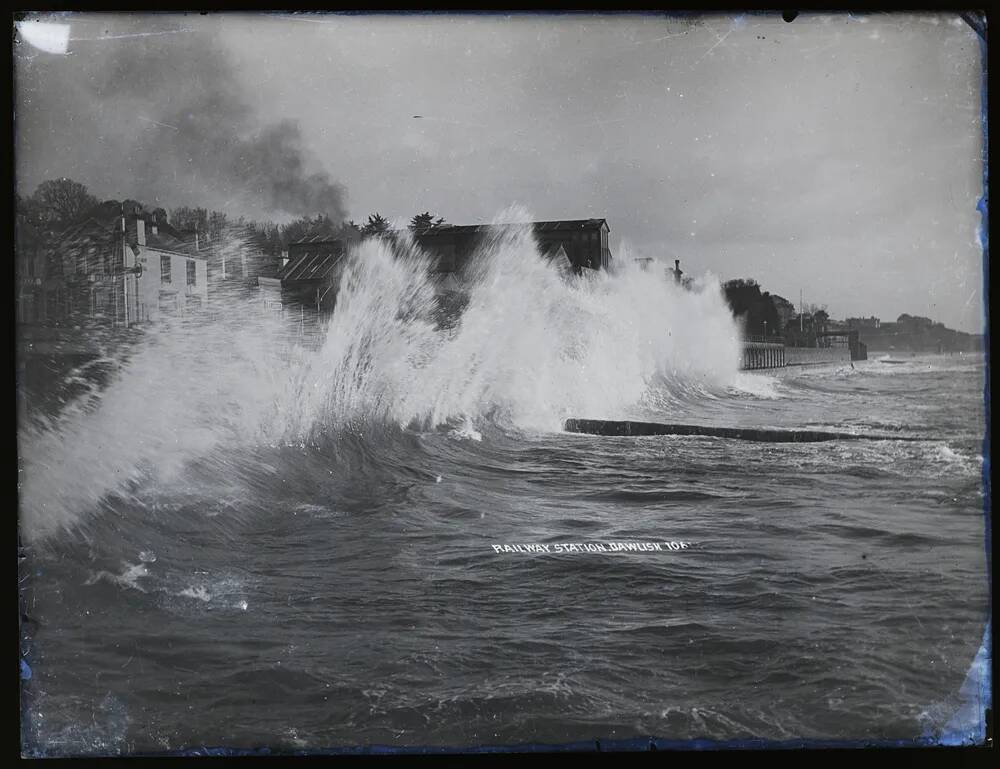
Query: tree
[[133, 208], [185, 218], [307, 227], [58, 202], [211, 224], [108, 209], [785, 309], [757, 309], [741, 283], [216, 225], [376, 225], [425, 221], [31, 214]]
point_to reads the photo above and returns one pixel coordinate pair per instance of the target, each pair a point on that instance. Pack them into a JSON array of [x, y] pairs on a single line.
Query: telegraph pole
[[124, 265]]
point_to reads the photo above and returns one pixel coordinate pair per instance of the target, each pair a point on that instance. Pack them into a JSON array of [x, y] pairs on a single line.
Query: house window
[[192, 275], [27, 306], [164, 269]]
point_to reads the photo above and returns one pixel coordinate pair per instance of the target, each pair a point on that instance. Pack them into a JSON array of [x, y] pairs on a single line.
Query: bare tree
[[60, 201]]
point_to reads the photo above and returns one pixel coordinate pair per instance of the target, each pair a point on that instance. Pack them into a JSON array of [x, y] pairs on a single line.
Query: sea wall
[[758, 355], [806, 356]]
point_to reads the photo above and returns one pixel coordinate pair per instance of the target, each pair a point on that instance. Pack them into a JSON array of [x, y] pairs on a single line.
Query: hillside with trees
[[914, 333]]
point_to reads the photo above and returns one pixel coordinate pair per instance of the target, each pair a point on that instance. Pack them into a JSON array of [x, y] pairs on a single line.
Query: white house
[[174, 275]]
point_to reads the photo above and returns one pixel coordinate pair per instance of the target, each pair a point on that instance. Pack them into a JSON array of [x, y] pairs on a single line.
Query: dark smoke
[[151, 107]]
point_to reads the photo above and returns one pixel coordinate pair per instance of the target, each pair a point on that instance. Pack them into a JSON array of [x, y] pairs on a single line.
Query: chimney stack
[[140, 230]]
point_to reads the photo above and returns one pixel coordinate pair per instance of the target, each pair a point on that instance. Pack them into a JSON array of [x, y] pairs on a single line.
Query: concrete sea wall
[[806, 356]]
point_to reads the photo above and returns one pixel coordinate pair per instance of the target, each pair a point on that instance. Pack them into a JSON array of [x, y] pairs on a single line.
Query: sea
[[383, 539]]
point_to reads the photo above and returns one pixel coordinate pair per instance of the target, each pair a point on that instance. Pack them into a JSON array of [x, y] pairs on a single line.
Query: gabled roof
[[168, 242], [309, 265], [107, 230], [166, 238]]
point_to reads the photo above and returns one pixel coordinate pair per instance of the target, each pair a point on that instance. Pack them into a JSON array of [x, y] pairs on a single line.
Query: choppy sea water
[[209, 582]]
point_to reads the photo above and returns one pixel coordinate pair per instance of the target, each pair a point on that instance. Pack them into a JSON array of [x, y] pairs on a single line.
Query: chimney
[[677, 270], [140, 230], [284, 257], [156, 229], [197, 246]]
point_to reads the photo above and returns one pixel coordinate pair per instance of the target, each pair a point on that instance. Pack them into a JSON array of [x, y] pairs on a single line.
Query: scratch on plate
[[132, 34], [165, 125], [718, 42]]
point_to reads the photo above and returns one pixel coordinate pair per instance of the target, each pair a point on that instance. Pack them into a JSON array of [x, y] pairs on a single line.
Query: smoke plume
[[151, 107]]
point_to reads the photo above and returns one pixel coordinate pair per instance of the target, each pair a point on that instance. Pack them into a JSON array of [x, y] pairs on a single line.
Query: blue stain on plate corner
[[968, 725], [25, 671]]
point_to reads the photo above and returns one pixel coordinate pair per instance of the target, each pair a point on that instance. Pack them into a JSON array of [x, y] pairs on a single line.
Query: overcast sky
[[836, 155]]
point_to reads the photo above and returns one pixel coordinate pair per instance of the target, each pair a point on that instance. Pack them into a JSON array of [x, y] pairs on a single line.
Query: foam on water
[[532, 348]]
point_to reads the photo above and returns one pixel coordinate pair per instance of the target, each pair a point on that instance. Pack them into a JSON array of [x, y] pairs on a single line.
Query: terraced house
[[126, 268]]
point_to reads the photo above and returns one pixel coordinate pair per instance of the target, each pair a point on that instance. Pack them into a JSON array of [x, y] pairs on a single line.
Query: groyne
[[763, 435]]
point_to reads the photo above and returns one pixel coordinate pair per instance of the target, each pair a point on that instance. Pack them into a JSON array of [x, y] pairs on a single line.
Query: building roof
[[562, 224], [107, 230], [166, 238], [309, 265], [571, 224]]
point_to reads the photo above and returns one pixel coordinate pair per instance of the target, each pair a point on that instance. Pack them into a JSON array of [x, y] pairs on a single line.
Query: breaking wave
[[532, 347]]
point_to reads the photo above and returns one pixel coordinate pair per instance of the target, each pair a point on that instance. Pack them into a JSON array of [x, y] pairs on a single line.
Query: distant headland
[[770, 316]]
